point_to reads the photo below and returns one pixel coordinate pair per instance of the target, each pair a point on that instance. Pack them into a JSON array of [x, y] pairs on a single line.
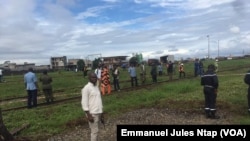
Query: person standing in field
[[1, 75], [31, 85], [216, 66], [92, 105], [116, 74], [85, 71], [98, 72], [201, 68], [170, 70], [143, 73], [153, 73], [181, 71], [210, 84], [47, 87], [105, 81], [196, 67], [133, 75], [247, 81], [160, 69]]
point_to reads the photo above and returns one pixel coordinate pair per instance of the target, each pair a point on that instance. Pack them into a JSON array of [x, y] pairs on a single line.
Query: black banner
[[163, 132]]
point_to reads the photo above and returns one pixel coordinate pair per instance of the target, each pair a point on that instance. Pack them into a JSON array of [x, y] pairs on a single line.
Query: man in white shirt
[[98, 72], [92, 105]]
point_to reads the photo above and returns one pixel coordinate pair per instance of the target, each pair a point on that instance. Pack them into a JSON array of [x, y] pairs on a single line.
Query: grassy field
[[182, 94]]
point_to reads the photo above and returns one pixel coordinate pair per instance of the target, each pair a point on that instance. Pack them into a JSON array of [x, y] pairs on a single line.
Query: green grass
[[185, 94]]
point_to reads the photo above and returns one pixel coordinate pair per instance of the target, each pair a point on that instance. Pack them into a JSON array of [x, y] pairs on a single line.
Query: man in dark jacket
[[47, 87], [210, 83], [247, 81], [153, 73]]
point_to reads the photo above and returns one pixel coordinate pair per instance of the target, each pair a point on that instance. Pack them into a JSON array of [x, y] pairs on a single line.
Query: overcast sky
[[34, 30]]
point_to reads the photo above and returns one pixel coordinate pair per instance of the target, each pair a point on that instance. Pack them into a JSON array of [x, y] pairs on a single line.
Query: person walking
[[31, 85], [133, 75], [247, 81], [181, 71], [210, 84], [47, 87], [116, 74], [92, 105]]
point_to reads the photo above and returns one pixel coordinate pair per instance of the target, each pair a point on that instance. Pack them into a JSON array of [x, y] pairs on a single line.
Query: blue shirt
[[30, 80], [132, 71]]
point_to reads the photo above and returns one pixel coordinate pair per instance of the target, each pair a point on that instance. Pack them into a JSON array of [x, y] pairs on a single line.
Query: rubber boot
[[213, 116], [208, 114]]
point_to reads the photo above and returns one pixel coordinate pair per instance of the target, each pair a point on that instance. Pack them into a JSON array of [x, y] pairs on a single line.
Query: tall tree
[[133, 60], [96, 62], [80, 64]]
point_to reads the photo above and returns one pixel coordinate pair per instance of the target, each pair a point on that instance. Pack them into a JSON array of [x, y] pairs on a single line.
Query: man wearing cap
[[210, 84], [47, 87]]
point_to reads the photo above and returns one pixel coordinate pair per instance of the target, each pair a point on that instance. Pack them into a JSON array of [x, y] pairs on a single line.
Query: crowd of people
[[99, 84], [104, 75]]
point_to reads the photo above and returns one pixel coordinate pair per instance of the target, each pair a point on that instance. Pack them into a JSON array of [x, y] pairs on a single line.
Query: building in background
[[166, 58], [58, 63]]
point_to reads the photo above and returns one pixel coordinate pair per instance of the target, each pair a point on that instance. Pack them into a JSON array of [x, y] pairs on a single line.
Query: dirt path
[[143, 116]]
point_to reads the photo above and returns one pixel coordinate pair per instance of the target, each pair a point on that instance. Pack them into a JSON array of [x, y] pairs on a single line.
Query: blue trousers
[[32, 98]]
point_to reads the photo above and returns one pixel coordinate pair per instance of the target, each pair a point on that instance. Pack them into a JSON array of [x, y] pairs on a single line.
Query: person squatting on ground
[[153, 73], [47, 87], [133, 75], [105, 81], [92, 105], [143, 73], [247, 81], [181, 71], [116, 74], [210, 84], [31, 85]]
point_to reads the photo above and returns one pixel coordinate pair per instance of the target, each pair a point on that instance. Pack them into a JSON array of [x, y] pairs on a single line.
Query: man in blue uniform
[[210, 84]]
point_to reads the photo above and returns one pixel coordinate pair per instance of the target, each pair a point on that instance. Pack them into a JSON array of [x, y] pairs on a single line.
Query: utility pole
[[218, 49], [208, 56]]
